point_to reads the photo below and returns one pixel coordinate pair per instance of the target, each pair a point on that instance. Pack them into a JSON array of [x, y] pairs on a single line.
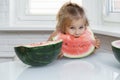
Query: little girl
[[71, 19]]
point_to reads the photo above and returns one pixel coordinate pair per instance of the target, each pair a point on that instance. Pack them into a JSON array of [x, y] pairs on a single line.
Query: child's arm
[[52, 35], [51, 38], [60, 55], [97, 43]]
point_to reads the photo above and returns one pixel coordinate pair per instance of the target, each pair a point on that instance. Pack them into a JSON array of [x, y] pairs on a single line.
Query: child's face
[[76, 28]]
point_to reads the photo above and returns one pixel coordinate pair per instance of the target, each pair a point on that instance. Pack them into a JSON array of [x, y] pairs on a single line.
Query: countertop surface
[[99, 66]]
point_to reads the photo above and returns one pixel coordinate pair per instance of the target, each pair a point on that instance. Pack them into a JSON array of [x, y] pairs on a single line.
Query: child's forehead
[[77, 21]]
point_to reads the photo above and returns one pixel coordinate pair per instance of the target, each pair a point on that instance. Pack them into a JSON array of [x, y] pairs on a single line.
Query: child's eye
[[81, 27], [71, 27]]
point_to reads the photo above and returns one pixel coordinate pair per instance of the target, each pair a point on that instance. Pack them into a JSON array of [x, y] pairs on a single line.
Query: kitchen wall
[[4, 12]]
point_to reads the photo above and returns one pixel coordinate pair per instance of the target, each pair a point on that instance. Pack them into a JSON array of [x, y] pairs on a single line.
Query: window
[[37, 13], [112, 10]]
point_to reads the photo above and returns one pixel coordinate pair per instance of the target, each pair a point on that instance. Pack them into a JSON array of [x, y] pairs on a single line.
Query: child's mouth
[[76, 36]]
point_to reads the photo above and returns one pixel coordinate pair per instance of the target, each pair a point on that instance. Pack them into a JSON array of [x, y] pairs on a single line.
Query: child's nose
[[77, 32]]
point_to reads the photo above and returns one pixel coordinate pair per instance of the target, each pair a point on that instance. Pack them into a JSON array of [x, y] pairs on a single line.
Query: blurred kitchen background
[[29, 21]]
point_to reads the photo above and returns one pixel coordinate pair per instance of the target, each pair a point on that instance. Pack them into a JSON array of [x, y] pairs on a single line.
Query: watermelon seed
[[66, 44]]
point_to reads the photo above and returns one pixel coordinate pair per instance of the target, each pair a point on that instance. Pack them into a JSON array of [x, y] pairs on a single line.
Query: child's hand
[[60, 55], [97, 43]]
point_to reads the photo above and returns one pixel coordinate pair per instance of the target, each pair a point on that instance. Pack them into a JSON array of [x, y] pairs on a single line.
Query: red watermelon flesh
[[77, 47]]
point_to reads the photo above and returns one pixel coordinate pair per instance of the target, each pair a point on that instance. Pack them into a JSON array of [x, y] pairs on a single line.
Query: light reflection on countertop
[[100, 66]]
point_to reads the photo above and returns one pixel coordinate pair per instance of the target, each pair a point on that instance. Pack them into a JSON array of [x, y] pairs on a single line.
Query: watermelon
[[116, 49], [39, 54], [73, 47]]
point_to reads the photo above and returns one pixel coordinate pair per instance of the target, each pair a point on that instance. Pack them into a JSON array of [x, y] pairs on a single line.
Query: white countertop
[[99, 66]]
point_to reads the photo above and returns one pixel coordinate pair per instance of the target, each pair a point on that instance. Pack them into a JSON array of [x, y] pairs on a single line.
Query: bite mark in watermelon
[[39, 54], [77, 47]]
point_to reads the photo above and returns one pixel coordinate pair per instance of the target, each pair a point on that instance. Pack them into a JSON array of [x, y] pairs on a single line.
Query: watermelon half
[[39, 54], [77, 47], [116, 49]]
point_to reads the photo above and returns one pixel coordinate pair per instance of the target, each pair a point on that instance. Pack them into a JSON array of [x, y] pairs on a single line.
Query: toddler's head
[[71, 19]]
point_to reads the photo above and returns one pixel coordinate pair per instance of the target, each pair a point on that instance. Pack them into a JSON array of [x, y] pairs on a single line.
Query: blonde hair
[[69, 12]]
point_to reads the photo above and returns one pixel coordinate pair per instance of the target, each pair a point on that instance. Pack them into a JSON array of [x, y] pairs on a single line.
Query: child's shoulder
[[54, 34]]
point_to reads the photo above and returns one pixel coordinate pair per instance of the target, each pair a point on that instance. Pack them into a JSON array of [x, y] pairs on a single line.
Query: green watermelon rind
[[116, 50], [114, 44], [38, 56]]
